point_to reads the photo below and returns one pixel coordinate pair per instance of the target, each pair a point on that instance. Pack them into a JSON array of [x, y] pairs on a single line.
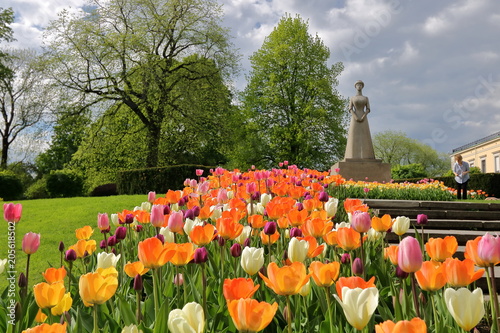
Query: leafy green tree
[[291, 108], [397, 148], [407, 171], [6, 19], [139, 54], [68, 133]]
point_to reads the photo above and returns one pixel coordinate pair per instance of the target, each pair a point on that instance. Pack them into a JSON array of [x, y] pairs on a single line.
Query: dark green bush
[[104, 190], [37, 190], [11, 187], [156, 179], [64, 183]]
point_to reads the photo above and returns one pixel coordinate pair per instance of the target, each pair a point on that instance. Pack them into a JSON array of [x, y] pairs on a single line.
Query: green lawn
[[56, 221]]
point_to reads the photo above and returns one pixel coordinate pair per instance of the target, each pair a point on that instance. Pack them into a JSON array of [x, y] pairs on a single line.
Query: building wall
[[485, 156]]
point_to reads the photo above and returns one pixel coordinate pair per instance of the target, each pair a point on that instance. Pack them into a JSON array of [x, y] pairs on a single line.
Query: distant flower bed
[[254, 251]]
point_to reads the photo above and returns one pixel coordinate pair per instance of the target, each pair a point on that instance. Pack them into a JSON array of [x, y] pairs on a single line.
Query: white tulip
[[188, 320], [358, 305], [401, 225], [115, 220], [331, 207], [297, 250], [106, 260], [244, 235], [252, 259], [168, 236], [131, 329], [3, 262], [265, 198], [146, 206], [466, 307]]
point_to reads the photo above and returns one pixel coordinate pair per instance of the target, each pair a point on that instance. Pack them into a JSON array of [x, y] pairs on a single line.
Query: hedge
[[11, 187], [160, 180], [487, 182]]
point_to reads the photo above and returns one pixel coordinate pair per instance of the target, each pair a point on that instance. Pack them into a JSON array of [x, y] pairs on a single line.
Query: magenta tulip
[[422, 219], [157, 218], [361, 222], [410, 255], [12, 212], [488, 249], [31, 242]]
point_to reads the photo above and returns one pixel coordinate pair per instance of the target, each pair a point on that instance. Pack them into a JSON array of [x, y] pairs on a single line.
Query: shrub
[[413, 170], [104, 190], [64, 183], [37, 190], [11, 187], [156, 179]]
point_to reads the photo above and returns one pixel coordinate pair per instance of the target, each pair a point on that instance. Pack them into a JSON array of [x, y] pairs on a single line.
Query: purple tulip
[[200, 255], [422, 219]]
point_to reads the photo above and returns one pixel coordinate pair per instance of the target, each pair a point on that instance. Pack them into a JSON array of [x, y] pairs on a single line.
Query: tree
[[292, 109], [6, 18], [24, 97], [396, 148], [138, 54]]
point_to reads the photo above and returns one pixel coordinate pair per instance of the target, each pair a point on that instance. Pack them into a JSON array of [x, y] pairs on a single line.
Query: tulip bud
[[422, 219], [112, 240], [296, 232], [176, 221], [247, 242], [410, 255], [236, 250], [300, 206], [400, 273], [129, 218], [178, 279], [196, 211], [61, 246], [221, 241], [103, 222], [323, 196], [151, 197], [189, 214], [256, 196], [115, 220], [361, 222], [270, 228], [200, 255], [161, 238], [138, 227], [138, 283], [120, 233], [102, 244], [157, 218], [70, 255], [345, 258], [22, 281], [357, 267]]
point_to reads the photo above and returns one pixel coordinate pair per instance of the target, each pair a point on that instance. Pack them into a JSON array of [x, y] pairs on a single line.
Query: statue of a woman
[[359, 140]]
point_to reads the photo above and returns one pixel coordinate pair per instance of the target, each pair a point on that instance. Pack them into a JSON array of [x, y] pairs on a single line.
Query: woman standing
[[461, 170]]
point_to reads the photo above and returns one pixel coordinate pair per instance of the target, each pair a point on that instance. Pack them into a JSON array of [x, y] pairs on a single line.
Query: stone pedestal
[[363, 169]]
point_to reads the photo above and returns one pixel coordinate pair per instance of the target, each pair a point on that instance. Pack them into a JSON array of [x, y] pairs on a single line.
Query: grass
[[56, 221]]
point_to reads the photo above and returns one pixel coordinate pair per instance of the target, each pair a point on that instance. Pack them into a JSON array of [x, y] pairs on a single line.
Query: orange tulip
[[439, 249], [153, 254], [391, 252], [95, 288], [348, 239], [461, 273], [431, 276], [416, 325], [84, 233], [47, 328], [297, 217], [312, 204], [202, 235], [250, 315], [256, 221], [132, 269], [48, 295], [182, 253], [228, 229], [324, 275], [40, 316], [173, 197], [352, 205], [471, 252], [53, 275], [269, 239], [84, 247], [317, 227], [331, 238], [142, 216], [287, 280], [382, 224], [353, 282], [238, 288]]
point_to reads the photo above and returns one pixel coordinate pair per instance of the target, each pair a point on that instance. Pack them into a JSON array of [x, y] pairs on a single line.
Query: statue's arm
[[367, 110], [351, 110]]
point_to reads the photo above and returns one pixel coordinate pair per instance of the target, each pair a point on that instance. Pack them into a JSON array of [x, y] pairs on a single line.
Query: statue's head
[[359, 82]]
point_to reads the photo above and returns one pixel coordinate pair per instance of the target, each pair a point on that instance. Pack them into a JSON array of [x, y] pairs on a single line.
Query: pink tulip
[[222, 196], [103, 221], [151, 196], [409, 255], [251, 187], [31, 242], [176, 221], [361, 222], [488, 249], [199, 172], [157, 218], [12, 212]]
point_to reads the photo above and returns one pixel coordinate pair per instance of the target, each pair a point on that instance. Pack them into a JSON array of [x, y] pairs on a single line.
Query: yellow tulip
[[63, 306], [97, 289], [48, 295], [466, 307]]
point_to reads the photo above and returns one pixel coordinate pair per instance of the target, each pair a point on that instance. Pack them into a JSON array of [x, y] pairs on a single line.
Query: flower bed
[[253, 251]]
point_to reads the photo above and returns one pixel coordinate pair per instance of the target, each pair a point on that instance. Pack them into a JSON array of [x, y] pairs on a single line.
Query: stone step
[[462, 236], [439, 214], [432, 205], [460, 224]]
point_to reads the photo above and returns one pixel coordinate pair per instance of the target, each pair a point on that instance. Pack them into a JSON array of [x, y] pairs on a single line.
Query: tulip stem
[[328, 301], [204, 289], [27, 270], [414, 292], [96, 322], [362, 255], [494, 296], [155, 291], [289, 314], [138, 310], [490, 290]]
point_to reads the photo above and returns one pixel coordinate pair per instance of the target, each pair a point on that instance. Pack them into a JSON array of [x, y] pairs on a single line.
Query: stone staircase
[[464, 220]]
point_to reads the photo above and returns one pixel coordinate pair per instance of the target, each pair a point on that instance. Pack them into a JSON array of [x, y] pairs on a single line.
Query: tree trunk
[[154, 134], [5, 152]]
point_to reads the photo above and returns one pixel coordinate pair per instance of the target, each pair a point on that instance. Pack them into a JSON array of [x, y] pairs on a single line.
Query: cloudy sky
[[431, 68]]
